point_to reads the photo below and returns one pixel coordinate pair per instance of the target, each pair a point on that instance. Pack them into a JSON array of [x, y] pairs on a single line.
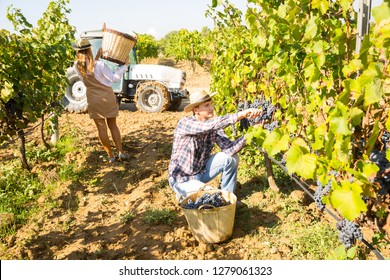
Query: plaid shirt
[[194, 141]]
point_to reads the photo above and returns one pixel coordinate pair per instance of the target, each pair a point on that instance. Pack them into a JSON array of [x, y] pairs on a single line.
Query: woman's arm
[[106, 76]]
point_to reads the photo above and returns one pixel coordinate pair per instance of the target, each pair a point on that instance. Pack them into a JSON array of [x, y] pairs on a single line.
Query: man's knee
[[232, 161]]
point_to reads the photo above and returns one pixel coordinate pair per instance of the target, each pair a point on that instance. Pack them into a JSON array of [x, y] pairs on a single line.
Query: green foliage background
[[147, 47], [33, 67], [333, 102]]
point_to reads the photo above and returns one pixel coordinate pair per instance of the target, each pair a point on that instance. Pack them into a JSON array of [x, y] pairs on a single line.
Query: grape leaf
[[276, 142], [372, 139], [347, 200], [319, 133], [356, 116], [340, 125], [322, 5], [388, 123], [373, 92], [311, 29], [303, 164], [251, 87], [215, 3], [381, 12], [256, 135], [6, 92]]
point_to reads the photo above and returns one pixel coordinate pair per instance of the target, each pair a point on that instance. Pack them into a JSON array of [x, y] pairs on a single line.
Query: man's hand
[[249, 113]]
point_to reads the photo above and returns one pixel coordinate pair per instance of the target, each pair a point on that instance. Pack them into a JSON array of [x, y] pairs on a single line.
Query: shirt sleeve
[[228, 146], [107, 76], [191, 126]]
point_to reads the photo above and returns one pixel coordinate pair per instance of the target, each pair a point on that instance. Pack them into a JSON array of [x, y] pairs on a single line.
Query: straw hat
[[197, 98], [81, 44]]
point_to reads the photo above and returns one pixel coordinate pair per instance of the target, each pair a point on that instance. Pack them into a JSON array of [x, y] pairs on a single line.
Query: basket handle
[[202, 188], [203, 205]]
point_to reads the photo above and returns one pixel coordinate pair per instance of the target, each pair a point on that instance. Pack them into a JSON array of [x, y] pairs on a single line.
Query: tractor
[[152, 88]]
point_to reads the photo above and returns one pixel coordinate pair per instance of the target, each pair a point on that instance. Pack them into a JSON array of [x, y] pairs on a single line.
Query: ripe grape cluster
[[320, 192], [215, 199], [268, 111], [383, 175], [386, 139], [349, 232]]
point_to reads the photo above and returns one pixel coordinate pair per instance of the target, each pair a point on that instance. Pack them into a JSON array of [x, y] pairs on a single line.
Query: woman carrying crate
[[102, 106]]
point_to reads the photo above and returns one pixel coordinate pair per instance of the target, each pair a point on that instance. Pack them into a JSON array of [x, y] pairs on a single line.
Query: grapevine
[[33, 72], [146, 46], [332, 103]]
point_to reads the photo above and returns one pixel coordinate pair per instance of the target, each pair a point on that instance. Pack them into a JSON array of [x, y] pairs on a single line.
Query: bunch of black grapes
[[320, 192], [215, 199], [349, 232], [383, 175], [386, 139], [268, 111]]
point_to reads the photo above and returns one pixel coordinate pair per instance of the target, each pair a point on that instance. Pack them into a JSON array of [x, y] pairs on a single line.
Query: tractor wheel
[[75, 99], [152, 97]]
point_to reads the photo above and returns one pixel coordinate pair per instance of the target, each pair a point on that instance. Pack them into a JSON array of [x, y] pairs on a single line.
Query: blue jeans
[[217, 164]]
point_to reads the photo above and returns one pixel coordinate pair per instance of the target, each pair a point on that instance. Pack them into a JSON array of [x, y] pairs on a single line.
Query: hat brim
[[191, 106], [80, 48]]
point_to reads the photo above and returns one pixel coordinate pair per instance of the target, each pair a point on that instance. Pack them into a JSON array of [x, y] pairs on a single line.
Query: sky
[[155, 17]]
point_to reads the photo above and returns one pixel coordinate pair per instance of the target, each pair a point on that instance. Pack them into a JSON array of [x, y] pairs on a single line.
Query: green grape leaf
[[356, 172], [322, 5], [351, 252], [381, 12], [215, 3], [346, 5], [341, 151], [283, 102], [373, 92], [356, 116], [347, 200], [370, 170], [340, 125], [300, 162], [373, 137], [352, 67], [311, 29], [312, 73], [256, 135], [388, 123], [251, 87], [6, 92], [276, 142], [260, 41], [319, 133]]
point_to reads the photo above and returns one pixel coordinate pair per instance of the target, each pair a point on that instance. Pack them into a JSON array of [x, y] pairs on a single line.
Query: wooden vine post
[[270, 174]]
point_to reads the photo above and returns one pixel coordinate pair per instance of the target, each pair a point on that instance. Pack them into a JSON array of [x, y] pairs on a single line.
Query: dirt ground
[[90, 221]]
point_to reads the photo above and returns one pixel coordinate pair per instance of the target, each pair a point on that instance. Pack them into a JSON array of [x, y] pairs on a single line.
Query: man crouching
[[192, 165]]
